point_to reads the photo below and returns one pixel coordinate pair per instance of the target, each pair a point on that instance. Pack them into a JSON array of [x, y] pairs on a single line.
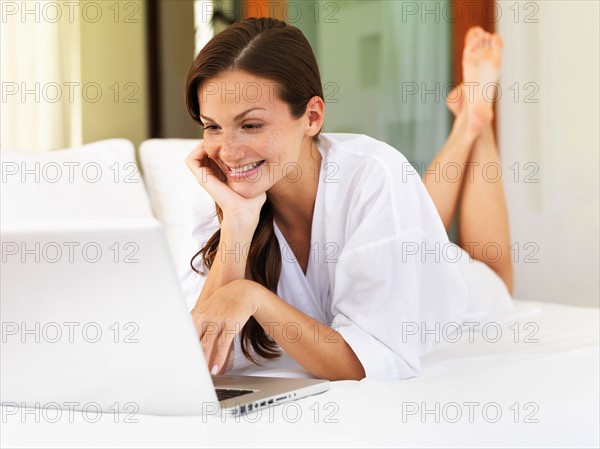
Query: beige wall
[[113, 57], [557, 131], [176, 55]]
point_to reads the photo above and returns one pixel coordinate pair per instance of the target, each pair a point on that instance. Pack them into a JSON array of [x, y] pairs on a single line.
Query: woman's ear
[[315, 112]]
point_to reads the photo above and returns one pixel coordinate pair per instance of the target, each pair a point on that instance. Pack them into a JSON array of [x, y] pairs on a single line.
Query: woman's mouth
[[245, 171]]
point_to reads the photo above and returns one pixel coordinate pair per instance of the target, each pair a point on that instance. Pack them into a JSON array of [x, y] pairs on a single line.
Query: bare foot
[[481, 62]]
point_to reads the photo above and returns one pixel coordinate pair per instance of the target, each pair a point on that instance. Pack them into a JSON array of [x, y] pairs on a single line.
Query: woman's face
[[250, 133]]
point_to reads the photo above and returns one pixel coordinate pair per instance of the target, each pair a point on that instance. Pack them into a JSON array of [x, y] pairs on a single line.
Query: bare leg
[[444, 176], [483, 215], [478, 193]]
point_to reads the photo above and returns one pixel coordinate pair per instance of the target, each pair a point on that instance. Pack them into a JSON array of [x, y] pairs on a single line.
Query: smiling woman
[[267, 129], [328, 248]]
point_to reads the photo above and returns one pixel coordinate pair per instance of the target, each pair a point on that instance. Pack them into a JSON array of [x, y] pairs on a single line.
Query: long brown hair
[[272, 49]]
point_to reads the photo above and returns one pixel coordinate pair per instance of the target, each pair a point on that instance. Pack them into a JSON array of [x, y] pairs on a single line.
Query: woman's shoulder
[[359, 145], [372, 181], [356, 154]]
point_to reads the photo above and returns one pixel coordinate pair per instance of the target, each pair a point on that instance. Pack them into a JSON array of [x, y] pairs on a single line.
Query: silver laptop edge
[[93, 316]]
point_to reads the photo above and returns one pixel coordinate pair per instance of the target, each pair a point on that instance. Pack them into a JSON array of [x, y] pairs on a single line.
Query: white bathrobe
[[381, 270]]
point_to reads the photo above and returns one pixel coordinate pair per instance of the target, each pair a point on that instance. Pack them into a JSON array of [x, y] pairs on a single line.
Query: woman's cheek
[[210, 147]]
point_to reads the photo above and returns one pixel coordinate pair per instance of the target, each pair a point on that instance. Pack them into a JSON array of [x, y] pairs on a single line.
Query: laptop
[[93, 318]]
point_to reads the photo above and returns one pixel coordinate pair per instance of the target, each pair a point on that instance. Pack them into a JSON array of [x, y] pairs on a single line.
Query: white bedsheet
[[554, 381]]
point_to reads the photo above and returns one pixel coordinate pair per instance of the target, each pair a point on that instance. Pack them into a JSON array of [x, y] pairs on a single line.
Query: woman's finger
[[209, 339], [207, 344], [196, 156], [209, 350], [196, 161], [200, 164], [209, 175], [221, 350]]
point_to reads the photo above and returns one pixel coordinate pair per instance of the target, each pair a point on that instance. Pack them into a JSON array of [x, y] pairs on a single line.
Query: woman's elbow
[[352, 369]]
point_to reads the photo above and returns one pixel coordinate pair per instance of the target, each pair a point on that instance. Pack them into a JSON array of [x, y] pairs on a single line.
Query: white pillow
[[173, 189], [95, 181]]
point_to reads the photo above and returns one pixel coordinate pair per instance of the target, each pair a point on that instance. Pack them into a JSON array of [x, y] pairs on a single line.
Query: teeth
[[245, 167]]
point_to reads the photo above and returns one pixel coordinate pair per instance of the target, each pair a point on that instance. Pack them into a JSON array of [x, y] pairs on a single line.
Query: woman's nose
[[230, 151]]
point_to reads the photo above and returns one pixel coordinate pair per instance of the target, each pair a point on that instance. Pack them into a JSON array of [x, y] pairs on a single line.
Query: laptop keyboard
[[225, 393]]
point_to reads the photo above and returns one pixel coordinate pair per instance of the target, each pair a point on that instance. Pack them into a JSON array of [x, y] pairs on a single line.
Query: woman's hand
[[214, 181], [220, 318]]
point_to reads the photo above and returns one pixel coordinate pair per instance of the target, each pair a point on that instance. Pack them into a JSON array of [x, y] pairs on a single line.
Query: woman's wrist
[[251, 293], [261, 297], [241, 224]]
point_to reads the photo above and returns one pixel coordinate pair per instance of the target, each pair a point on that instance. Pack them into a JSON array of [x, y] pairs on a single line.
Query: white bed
[[553, 382], [547, 381]]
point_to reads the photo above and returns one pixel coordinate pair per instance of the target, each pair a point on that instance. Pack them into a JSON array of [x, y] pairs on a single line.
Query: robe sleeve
[[386, 283]]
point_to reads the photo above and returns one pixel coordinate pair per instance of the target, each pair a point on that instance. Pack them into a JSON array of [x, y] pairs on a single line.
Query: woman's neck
[[293, 200]]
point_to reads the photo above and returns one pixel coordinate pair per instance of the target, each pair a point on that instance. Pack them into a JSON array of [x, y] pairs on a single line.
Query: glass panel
[[385, 71]]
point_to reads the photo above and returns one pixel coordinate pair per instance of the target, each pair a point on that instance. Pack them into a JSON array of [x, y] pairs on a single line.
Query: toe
[[496, 41], [474, 34]]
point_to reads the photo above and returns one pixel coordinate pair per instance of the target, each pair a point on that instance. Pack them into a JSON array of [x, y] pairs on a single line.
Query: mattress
[[531, 380]]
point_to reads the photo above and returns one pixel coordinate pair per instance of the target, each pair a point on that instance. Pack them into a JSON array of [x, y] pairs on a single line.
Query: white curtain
[[41, 95], [204, 29]]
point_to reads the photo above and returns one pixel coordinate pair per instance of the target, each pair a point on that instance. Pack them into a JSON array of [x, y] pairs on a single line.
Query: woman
[[328, 247]]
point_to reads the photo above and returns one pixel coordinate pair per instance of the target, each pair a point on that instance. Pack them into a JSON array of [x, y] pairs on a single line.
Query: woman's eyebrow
[[236, 118]]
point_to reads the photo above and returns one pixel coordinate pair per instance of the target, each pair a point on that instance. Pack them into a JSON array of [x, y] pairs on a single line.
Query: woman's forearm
[[318, 348], [230, 260]]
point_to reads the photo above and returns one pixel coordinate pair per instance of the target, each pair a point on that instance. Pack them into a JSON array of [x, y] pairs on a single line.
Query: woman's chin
[[247, 191]]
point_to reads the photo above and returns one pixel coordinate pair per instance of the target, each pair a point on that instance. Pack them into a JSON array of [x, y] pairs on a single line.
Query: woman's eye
[[210, 127], [252, 126]]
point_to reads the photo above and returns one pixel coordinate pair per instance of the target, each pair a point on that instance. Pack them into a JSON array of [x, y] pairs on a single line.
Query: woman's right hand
[[236, 208]]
